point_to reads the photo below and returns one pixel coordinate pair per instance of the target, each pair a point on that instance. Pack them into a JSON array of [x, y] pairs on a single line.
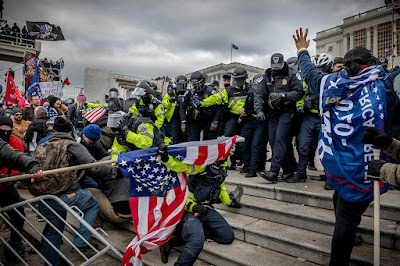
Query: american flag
[[158, 195], [45, 30], [95, 114]]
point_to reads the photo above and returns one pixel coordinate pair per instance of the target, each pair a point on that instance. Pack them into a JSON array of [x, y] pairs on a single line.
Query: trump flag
[[158, 195]]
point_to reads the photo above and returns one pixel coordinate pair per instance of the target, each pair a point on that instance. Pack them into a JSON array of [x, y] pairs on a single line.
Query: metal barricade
[[30, 204]]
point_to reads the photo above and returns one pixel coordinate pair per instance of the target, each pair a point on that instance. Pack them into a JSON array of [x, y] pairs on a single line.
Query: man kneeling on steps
[[200, 220]]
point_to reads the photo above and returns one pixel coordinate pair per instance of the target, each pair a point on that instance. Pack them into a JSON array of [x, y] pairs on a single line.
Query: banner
[[29, 68], [51, 88], [44, 31], [34, 88]]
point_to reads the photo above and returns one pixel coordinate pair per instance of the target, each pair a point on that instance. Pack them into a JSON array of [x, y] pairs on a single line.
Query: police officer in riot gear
[[196, 119], [253, 149], [284, 88], [225, 110], [171, 103], [114, 103], [146, 105]]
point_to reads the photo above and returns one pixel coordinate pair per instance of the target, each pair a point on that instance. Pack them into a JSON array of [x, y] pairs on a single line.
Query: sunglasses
[[18, 115]]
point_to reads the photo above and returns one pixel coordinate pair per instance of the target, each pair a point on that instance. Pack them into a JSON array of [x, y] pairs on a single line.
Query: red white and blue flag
[[95, 114], [158, 195]]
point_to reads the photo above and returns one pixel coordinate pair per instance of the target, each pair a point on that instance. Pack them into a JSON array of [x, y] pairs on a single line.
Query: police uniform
[[287, 85], [253, 149], [206, 186], [171, 103], [154, 110], [199, 119], [143, 134]]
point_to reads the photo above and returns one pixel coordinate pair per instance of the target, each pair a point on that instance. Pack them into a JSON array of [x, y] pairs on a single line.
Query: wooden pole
[[60, 170]]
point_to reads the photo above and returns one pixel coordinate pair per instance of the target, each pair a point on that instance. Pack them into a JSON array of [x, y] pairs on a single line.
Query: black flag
[[44, 31]]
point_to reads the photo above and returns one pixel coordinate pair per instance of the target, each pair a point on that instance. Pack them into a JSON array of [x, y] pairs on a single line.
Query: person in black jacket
[[15, 160], [197, 119], [284, 88], [37, 126]]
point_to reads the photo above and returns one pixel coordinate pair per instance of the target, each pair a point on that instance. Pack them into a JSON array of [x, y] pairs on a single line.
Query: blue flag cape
[[348, 106]]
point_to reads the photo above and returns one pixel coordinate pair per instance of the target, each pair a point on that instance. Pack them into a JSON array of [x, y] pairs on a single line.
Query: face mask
[[5, 135]]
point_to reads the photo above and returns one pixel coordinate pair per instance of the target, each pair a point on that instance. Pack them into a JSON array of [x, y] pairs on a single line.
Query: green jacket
[[169, 107]]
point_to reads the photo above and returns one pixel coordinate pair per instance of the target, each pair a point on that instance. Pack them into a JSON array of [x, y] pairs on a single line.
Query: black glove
[[201, 209], [275, 99], [374, 167], [260, 116], [195, 103], [236, 205], [162, 151], [36, 168], [377, 138], [124, 125]]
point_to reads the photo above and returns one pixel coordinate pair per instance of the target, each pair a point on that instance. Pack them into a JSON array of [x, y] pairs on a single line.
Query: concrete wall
[[97, 83]]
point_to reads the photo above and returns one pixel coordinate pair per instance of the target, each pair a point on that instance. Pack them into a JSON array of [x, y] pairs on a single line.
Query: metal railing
[[17, 40], [78, 216]]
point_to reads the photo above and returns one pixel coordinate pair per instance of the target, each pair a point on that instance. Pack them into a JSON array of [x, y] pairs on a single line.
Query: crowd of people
[[13, 34], [282, 107]]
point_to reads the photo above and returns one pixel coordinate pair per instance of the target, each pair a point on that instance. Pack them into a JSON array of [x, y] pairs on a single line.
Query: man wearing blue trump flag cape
[[351, 101]]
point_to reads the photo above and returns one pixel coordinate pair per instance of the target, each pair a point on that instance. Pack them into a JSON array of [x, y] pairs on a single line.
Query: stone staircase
[[283, 224]]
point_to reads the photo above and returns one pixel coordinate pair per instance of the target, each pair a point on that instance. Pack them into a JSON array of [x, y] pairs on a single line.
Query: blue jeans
[[253, 149], [196, 229], [88, 182], [9, 197], [82, 199], [280, 124], [309, 132]]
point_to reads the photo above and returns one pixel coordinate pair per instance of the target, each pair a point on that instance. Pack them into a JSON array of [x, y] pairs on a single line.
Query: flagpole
[[231, 52]]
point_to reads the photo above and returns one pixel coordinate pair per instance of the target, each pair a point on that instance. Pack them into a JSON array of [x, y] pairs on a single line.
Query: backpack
[[52, 155]]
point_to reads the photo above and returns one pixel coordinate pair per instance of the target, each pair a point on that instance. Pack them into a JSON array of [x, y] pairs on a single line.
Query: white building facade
[[375, 29]]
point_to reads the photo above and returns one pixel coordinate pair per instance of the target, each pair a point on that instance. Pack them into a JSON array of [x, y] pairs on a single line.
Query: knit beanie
[[16, 110], [81, 97], [6, 121], [92, 132], [62, 125]]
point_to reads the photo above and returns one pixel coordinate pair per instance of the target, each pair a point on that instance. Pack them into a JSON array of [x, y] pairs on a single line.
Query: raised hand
[[301, 40]]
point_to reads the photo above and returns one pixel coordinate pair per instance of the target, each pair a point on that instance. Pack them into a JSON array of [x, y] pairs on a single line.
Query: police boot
[[297, 178], [165, 249], [270, 176], [251, 173], [237, 194]]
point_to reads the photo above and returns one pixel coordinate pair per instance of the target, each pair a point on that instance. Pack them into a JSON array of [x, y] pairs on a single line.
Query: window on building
[[385, 39], [398, 37], [330, 48], [360, 38], [348, 42]]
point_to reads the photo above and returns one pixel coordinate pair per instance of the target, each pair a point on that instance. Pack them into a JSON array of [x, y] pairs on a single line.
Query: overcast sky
[[148, 38]]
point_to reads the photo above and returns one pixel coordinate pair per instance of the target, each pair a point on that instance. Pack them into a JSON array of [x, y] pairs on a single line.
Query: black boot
[[251, 173], [165, 249], [244, 170], [358, 241], [297, 178], [270, 176]]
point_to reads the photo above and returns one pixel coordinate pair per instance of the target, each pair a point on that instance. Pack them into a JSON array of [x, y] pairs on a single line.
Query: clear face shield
[[238, 82], [114, 94], [197, 87], [180, 87]]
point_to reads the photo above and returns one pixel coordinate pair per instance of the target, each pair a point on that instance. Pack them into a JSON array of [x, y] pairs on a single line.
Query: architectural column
[[395, 49], [351, 40], [375, 51], [344, 44], [368, 38]]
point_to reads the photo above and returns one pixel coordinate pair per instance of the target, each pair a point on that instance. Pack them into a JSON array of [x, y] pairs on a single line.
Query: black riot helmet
[[181, 83], [197, 80], [153, 86], [239, 77]]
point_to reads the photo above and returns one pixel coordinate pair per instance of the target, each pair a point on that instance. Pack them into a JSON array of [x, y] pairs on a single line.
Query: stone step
[[218, 254], [311, 246], [310, 193], [311, 218]]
